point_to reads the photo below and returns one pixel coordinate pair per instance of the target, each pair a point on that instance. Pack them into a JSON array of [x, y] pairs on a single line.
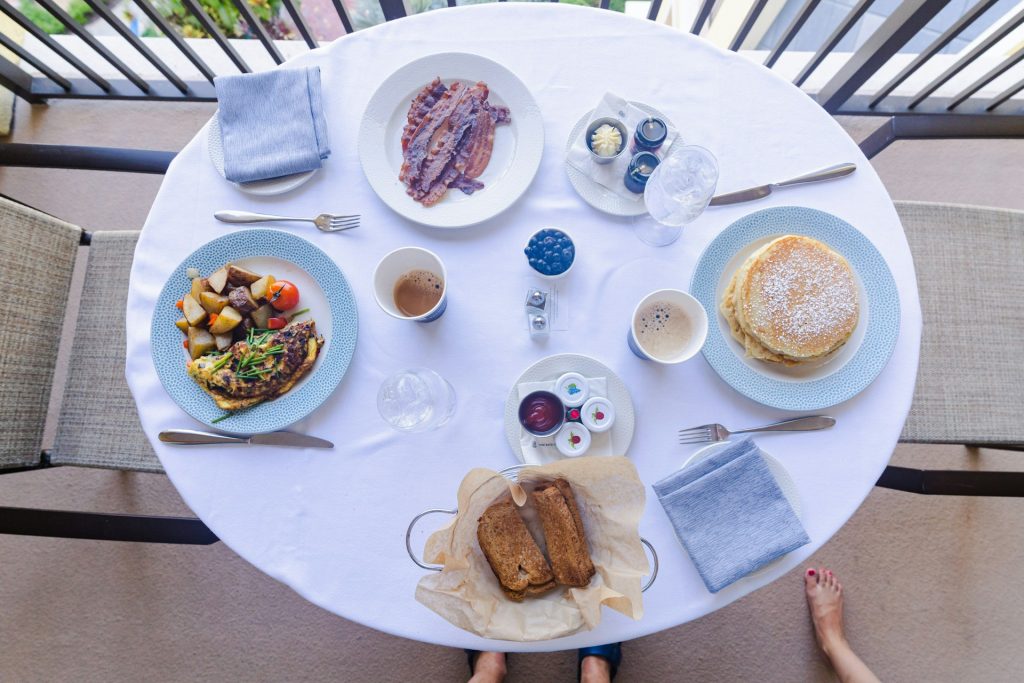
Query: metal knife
[[830, 173], [191, 437]]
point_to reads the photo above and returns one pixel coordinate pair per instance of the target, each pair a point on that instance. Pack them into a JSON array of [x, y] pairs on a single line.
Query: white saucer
[[551, 368], [599, 196], [263, 188]]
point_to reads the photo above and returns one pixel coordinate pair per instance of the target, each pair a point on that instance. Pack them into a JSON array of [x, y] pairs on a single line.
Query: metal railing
[[921, 114]]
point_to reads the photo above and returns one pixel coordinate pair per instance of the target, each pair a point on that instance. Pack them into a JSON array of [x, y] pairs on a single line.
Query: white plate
[[518, 145], [808, 386], [262, 188], [551, 368], [323, 289], [782, 478], [595, 194]]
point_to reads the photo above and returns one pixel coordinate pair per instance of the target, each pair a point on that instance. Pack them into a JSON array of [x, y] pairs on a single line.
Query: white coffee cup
[[396, 265], [653, 333]]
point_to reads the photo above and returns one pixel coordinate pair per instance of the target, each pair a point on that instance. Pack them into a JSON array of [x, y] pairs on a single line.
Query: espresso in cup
[[410, 283], [417, 292], [668, 326], [663, 330]]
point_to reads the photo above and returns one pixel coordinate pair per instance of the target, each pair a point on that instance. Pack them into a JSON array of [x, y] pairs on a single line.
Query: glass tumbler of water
[[677, 193], [416, 400]]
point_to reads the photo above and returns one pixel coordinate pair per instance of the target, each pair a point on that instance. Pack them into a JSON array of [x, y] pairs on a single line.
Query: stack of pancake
[[793, 301]]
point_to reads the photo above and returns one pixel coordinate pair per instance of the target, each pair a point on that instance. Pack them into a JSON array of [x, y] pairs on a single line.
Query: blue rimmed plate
[[322, 288], [819, 384]]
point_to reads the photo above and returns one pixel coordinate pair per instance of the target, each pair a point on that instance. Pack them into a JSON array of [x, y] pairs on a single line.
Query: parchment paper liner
[[611, 498]]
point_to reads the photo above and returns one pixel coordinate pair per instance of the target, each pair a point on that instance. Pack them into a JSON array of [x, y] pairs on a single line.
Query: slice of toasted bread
[[563, 533], [514, 556]]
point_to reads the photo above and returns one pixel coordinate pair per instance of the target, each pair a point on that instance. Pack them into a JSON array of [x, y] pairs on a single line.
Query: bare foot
[[595, 670], [489, 667], [825, 602]]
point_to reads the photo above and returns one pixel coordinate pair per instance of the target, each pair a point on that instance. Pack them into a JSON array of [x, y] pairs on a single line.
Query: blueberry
[[567, 254]]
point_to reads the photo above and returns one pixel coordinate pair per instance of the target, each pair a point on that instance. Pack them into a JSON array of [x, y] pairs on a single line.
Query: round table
[[331, 523]]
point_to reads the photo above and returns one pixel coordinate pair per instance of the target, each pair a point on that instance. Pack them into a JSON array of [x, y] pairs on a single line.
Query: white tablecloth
[[330, 524]]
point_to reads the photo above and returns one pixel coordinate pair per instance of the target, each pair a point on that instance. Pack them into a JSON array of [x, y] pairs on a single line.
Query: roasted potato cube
[[241, 300], [195, 314], [218, 280], [226, 321], [240, 276], [199, 286], [213, 302], [261, 288], [224, 341], [182, 325], [261, 315], [199, 342]]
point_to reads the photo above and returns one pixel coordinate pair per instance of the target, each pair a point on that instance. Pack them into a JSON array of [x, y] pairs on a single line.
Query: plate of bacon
[[451, 140]]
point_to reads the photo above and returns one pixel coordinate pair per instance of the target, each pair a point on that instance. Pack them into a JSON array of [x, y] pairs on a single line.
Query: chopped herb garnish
[[222, 417], [221, 363], [296, 314]]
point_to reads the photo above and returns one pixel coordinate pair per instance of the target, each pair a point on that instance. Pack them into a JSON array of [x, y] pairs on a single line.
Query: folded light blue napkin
[[271, 124], [730, 514]]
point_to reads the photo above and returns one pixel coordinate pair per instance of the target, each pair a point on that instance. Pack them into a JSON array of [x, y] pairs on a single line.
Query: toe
[[821, 576], [810, 578]]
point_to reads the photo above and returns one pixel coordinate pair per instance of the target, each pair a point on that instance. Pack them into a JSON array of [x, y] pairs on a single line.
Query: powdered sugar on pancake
[[802, 298]]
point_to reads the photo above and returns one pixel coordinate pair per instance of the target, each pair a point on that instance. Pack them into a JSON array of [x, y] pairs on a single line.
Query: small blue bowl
[[550, 259]]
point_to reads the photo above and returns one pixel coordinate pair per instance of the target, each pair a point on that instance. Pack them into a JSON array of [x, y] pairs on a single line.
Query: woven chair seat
[[99, 426], [37, 259], [970, 274]]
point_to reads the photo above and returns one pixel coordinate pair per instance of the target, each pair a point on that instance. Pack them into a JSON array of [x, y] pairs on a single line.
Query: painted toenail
[[810, 572]]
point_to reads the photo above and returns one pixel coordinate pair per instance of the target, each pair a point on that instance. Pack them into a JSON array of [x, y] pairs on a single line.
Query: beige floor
[[933, 583]]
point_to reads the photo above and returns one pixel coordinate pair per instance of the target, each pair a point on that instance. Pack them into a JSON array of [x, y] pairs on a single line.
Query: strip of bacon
[[444, 143], [480, 144], [421, 105], [448, 140], [418, 147]]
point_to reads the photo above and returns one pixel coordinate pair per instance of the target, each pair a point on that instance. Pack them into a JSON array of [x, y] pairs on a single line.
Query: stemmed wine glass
[[677, 193]]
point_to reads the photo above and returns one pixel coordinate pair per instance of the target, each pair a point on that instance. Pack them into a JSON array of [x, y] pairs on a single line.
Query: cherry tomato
[[180, 304], [276, 323], [283, 295]]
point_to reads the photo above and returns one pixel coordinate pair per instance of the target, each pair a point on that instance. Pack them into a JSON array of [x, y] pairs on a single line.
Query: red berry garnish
[[599, 415], [575, 439]]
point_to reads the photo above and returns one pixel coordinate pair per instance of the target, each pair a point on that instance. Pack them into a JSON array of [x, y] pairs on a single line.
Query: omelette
[[259, 368]]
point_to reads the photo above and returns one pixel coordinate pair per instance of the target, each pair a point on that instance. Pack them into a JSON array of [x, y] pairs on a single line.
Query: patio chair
[[970, 383], [98, 425]]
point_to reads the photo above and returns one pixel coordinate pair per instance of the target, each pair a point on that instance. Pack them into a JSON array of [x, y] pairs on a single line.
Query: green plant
[[41, 18], [226, 16], [80, 12]]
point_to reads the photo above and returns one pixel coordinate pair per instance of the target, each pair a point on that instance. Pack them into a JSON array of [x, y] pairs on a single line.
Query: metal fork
[[326, 222], [710, 433]]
